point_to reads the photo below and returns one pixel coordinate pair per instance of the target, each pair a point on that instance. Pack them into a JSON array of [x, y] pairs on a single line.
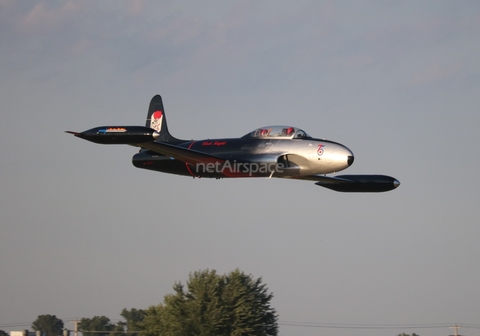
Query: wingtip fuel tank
[[359, 183]]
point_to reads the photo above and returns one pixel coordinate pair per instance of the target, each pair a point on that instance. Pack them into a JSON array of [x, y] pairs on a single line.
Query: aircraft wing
[[181, 154], [354, 183]]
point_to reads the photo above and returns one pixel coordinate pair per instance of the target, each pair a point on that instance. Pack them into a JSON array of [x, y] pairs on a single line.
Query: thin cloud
[[42, 17], [135, 7], [435, 72]]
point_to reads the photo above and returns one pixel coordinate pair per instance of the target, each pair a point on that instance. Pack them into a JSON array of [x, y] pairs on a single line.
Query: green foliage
[[214, 305], [3, 333], [98, 323], [133, 318], [118, 330], [49, 324]]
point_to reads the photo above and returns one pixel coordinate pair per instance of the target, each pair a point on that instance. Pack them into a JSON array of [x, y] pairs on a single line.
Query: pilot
[[290, 131]]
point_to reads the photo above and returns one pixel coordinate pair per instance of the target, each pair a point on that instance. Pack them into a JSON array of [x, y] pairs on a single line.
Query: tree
[[133, 318], [98, 323], [48, 324], [118, 329], [214, 305], [3, 333]]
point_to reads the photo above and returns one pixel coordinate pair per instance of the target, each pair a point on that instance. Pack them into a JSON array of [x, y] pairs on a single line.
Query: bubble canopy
[[277, 132]]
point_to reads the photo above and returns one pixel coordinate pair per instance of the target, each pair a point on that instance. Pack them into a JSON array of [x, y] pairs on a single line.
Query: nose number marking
[[320, 149]]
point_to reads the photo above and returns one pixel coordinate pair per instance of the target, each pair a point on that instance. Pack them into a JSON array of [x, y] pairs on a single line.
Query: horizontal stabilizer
[[118, 135]]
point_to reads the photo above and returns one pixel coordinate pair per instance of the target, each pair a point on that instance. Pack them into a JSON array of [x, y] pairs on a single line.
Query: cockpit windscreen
[[286, 132]]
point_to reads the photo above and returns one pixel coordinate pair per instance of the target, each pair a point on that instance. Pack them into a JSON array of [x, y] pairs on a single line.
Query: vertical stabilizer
[[156, 120]]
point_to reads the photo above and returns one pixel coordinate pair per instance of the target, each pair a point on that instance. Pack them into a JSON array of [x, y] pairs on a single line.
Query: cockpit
[[277, 132]]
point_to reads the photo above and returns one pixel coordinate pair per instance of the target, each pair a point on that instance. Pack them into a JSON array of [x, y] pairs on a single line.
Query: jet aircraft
[[270, 151]]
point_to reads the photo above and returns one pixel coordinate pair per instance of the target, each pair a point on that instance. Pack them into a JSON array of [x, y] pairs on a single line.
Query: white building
[[23, 333]]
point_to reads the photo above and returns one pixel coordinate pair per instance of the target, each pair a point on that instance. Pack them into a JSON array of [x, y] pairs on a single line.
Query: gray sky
[[84, 233]]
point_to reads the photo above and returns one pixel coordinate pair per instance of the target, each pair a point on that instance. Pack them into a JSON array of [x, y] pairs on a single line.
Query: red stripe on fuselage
[[186, 164]]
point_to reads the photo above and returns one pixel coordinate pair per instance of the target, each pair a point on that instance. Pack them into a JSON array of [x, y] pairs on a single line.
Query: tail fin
[[156, 120]]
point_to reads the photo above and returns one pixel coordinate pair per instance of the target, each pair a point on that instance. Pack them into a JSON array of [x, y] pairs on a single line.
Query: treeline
[[208, 304]]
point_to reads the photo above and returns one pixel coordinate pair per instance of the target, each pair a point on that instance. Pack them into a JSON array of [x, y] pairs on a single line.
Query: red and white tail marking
[[156, 121]]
